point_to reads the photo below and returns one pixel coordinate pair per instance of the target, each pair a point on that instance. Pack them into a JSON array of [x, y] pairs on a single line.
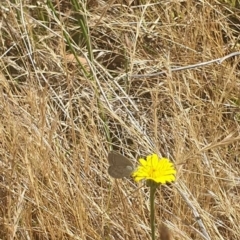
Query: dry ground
[[68, 96]]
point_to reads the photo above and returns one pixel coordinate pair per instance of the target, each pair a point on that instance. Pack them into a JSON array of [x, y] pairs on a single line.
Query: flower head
[[159, 170]]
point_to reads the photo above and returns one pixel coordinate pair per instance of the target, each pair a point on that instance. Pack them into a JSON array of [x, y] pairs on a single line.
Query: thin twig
[[197, 216], [218, 60]]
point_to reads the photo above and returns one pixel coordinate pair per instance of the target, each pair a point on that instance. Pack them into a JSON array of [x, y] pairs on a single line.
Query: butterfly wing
[[120, 166]]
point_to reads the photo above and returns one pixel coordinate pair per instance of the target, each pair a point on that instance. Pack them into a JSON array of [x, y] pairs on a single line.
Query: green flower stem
[[153, 188]]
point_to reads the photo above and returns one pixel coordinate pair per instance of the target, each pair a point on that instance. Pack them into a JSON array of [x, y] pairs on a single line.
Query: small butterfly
[[120, 166]]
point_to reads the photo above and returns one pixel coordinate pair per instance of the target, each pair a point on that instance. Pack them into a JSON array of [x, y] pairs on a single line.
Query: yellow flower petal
[[160, 170]]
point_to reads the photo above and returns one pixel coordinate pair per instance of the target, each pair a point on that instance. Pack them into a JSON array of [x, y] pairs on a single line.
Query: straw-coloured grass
[[69, 94]]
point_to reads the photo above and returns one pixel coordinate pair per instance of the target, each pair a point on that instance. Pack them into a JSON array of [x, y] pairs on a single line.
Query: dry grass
[[66, 99]]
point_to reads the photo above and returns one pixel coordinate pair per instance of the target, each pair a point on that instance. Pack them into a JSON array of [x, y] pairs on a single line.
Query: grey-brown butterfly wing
[[120, 166]]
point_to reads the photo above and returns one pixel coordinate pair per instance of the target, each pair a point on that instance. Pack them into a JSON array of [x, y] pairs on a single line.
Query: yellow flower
[[160, 170]]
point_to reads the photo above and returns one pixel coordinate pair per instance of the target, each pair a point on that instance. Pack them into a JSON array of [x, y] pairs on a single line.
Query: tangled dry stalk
[[67, 97]]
